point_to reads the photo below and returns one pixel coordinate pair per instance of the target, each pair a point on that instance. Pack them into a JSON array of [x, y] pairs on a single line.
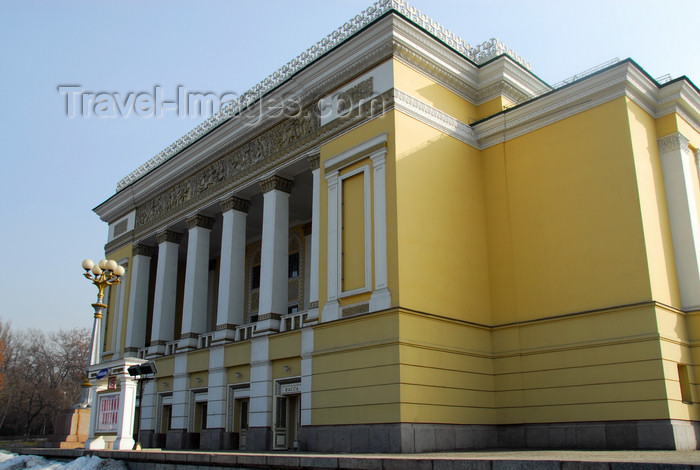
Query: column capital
[[235, 203], [673, 142], [314, 161], [140, 249], [199, 220], [168, 236], [276, 182]]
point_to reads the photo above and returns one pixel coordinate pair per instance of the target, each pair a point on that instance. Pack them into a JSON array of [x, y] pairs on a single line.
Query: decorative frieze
[[269, 316], [200, 220], [284, 136], [120, 228], [236, 204], [355, 310], [352, 96], [168, 236], [674, 142], [143, 250], [276, 183], [173, 202]]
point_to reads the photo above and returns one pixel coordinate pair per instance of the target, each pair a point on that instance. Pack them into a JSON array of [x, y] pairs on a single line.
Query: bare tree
[[42, 376]]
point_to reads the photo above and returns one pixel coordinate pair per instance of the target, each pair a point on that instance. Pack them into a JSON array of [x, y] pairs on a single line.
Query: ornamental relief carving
[[249, 160], [282, 136]]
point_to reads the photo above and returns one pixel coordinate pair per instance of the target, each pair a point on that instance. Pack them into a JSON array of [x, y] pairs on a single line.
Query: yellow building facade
[[399, 242]]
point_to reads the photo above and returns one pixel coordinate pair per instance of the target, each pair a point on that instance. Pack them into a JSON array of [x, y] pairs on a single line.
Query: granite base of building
[[181, 439], [413, 438], [218, 439], [259, 438]]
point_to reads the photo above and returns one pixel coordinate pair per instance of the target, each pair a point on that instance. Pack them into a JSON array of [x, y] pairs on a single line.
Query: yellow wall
[[564, 226], [425, 89], [443, 265], [356, 371], [446, 371]]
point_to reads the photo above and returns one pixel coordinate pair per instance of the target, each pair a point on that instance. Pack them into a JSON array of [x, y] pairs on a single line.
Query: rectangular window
[[293, 265], [684, 379], [353, 233], [255, 281]]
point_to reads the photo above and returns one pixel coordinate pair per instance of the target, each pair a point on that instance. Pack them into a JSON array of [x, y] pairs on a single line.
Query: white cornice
[[480, 53], [624, 79], [433, 117]]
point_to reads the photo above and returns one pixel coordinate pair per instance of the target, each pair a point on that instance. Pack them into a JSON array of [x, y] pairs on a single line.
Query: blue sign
[[102, 373]]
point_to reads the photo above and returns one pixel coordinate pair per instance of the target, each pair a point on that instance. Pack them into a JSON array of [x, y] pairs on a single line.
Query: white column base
[[124, 443], [380, 300], [331, 311], [311, 316], [96, 443]]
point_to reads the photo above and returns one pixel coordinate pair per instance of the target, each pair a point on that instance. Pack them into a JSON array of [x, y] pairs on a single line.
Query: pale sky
[[55, 169]]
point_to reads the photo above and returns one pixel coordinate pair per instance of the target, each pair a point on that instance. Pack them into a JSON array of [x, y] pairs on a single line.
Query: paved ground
[[486, 460]]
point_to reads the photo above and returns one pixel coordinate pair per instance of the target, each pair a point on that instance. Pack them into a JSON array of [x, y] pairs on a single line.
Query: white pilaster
[[331, 309], [118, 315], [149, 404], [381, 297], [274, 261], [138, 300], [127, 406], [683, 214], [307, 349], [180, 390], [216, 397], [260, 383], [231, 302], [315, 233], [194, 305], [94, 442], [165, 292]]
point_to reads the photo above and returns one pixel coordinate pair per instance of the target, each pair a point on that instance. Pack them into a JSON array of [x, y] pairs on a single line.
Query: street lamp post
[[103, 274]]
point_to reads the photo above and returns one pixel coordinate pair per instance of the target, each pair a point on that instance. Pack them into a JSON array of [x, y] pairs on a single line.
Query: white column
[[166, 292], [683, 214], [194, 305], [331, 309], [307, 349], [274, 260], [118, 319], [138, 299], [231, 306], [216, 393], [180, 391], [312, 315], [127, 406], [381, 297], [260, 383], [149, 406]]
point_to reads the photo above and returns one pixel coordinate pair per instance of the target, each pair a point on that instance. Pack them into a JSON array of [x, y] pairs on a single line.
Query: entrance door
[[287, 422], [240, 424]]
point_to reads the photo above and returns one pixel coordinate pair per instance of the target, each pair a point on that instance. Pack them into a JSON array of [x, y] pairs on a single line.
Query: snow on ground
[[9, 461]]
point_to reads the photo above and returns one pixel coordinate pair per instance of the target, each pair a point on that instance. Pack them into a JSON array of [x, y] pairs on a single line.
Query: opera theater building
[[401, 242]]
